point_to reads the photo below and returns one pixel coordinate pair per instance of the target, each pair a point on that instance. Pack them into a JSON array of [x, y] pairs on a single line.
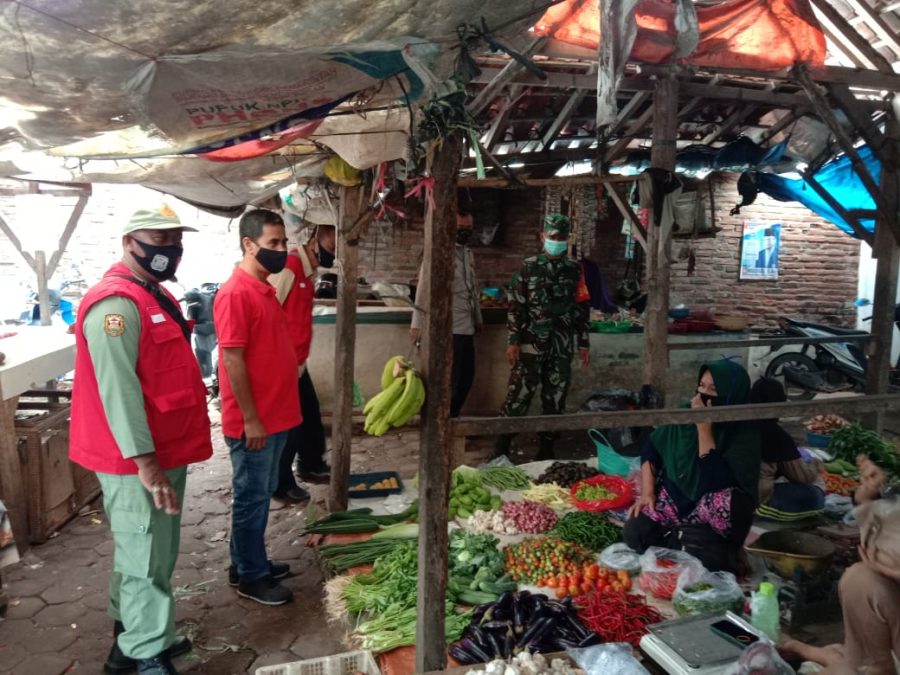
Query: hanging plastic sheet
[[757, 34], [839, 178]]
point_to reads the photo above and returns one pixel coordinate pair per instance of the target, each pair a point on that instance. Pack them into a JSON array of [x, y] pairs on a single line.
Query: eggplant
[[496, 626], [575, 626], [479, 611], [478, 636], [476, 650], [503, 607], [509, 645], [496, 643], [589, 641], [521, 614], [544, 646], [535, 631], [463, 655]]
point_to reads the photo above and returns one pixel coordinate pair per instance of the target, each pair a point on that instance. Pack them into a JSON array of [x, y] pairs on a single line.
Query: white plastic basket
[[347, 663]]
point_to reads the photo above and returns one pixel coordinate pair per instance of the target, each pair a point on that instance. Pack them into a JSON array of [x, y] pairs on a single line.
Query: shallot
[[530, 517]]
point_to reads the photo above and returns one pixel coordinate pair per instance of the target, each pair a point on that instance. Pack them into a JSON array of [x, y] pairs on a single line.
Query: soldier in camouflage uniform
[[546, 318]]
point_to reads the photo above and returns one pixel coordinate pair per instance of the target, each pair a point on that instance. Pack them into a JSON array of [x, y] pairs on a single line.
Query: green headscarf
[[678, 444]]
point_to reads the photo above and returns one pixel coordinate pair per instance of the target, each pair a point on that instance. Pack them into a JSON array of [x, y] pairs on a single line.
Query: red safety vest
[[174, 394], [298, 307]]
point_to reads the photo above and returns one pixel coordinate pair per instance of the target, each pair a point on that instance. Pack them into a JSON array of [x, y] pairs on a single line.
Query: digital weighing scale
[[689, 647]]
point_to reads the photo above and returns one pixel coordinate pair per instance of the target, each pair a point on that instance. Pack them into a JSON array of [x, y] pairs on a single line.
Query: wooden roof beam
[[849, 217], [837, 25], [501, 120], [501, 79], [636, 127], [861, 120], [628, 213], [874, 21], [568, 109], [733, 120]]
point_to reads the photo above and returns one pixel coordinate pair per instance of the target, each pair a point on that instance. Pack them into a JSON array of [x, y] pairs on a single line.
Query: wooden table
[[34, 355]]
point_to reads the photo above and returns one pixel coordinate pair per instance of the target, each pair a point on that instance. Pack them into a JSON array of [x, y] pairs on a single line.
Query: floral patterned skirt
[[712, 509]]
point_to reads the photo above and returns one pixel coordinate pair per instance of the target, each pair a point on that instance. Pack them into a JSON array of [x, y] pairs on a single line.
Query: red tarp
[[755, 34]]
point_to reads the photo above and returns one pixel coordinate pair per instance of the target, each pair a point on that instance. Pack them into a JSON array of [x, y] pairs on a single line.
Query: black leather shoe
[[293, 495], [316, 475], [118, 664], [277, 570], [158, 665]]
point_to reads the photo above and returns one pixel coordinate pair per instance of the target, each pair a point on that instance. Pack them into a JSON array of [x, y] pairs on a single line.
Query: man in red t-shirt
[[259, 399]]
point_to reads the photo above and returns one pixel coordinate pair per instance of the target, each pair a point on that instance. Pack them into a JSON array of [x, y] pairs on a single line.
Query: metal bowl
[[794, 555]]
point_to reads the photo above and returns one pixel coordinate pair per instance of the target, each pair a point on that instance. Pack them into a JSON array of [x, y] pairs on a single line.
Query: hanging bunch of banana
[[401, 397]]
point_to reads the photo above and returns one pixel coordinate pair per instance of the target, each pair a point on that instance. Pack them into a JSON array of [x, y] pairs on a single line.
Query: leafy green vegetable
[[853, 440]]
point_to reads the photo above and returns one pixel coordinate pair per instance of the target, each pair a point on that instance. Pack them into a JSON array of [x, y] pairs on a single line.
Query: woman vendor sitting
[[800, 490], [699, 481]]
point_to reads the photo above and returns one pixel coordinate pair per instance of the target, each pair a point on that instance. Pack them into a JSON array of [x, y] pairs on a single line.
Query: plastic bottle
[[764, 613]]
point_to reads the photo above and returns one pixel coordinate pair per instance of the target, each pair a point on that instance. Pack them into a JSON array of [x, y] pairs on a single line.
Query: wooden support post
[[656, 321], [436, 443], [344, 348], [40, 269], [887, 251]]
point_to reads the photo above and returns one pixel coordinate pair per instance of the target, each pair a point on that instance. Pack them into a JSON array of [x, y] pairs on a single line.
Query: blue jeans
[[254, 479]]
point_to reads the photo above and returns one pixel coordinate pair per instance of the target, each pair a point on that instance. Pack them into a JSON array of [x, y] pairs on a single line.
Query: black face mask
[[326, 259], [463, 237], [159, 261], [274, 261]]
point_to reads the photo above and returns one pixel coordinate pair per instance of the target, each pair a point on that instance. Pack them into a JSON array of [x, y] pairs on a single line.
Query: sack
[[699, 591], [661, 568]]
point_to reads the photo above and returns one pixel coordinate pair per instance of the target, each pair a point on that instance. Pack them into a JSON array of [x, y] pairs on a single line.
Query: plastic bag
[[660, 569], [760, 658], [699, 591], [621, 557], [614, 484], [612, 657]]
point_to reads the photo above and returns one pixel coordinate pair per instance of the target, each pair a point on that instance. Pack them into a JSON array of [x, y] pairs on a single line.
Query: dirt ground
[[56, 620]]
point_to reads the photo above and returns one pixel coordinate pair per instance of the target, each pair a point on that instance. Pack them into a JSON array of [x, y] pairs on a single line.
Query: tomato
[[591, 573], [576, 578], [574, 589], [623, 575], [550, 582], [627, 584], [587, 586], [617, 587], [563, 580], [561, 592]]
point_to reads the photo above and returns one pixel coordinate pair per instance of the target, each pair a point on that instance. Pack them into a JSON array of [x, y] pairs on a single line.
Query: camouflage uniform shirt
[[543, 315]]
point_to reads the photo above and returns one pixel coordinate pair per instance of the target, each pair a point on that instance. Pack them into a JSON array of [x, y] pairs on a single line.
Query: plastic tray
[[347, 663], [817, 440], [369, 479]]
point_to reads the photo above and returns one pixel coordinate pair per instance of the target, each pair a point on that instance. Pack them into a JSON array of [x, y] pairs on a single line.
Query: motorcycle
[[828, 367], [199, 308]]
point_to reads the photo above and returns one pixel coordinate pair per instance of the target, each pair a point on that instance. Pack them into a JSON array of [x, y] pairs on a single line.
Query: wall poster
[[760, 246]]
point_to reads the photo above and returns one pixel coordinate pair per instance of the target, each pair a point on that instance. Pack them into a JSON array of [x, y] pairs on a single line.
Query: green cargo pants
[[146, 549]]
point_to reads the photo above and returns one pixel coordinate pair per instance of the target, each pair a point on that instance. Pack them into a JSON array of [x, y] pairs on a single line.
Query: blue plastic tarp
[[839, 179]]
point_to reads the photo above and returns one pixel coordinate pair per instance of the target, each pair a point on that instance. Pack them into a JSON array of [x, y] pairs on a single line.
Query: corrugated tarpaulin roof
[[128, 80], [839, 178], [756, 34]]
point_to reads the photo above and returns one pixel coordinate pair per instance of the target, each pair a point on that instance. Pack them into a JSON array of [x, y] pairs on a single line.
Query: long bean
[[340, 557], [506, 478], [590, 530]]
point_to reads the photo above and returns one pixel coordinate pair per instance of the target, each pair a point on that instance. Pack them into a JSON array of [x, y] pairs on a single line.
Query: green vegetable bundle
[[476, 569], [392, 581], [359, 520], [396, 627], [506, 478], [592, 531], [854, 440], [341, 557]]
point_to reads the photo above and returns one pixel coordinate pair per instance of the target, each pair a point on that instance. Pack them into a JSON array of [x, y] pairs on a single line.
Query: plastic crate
[[347, 663], [369, 479], [817, 440]]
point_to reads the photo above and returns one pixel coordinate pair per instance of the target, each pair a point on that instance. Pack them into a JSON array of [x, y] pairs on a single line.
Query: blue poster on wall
[[760, 246]]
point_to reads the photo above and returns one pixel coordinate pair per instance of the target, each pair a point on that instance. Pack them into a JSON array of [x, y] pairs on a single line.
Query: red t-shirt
[[247, 314]]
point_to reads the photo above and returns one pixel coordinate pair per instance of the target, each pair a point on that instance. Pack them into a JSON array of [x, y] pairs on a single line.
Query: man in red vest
[[138, 419], [295, 290], [258, 384]]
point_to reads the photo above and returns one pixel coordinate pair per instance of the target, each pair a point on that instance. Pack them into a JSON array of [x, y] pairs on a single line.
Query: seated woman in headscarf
[[699, 481], [790, 482]]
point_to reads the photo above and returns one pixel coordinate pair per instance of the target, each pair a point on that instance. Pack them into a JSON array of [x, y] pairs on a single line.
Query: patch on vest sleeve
[[114, 324]]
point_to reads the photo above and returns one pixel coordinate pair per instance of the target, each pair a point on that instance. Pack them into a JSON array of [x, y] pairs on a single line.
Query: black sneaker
[[118, 664], [277, 570], [158, 665], [294, 495], [319, 474], [265, 591]]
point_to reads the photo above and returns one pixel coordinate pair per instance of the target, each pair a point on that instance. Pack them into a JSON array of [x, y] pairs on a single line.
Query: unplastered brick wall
[[393, 252], [817, 275]]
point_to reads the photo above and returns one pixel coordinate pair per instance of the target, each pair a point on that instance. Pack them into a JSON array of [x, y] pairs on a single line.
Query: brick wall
[[818, 266]]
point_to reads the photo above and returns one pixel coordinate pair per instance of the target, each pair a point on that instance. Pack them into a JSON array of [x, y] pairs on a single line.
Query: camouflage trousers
[[552, 372]]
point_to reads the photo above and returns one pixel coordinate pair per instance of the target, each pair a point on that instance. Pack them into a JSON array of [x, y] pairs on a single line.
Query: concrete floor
[[56, 620]]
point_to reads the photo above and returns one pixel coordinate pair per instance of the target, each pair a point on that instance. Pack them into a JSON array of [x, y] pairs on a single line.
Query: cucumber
[[464, 512], [476, 598]]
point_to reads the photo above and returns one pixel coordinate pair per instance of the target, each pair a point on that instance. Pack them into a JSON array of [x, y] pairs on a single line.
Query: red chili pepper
[[617, 616]]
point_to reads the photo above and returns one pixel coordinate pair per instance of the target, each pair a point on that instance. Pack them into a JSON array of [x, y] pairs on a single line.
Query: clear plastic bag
[[660, 569], [760, 658], [621, 557], [699, 591], [612, 657]]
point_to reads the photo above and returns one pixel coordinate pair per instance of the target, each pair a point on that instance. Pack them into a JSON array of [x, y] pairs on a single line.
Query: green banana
[[412, 401], [381, 403], [405, 399], [387, 375]]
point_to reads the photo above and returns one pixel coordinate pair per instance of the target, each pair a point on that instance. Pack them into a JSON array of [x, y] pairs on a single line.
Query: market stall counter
[[33, 355]]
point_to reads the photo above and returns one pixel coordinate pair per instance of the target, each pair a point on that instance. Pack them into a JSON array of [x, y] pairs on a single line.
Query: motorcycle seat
[[830, 329]]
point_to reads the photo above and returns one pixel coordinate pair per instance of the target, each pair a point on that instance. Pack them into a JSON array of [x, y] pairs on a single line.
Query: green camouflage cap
[[557, 223], [161, 217]]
